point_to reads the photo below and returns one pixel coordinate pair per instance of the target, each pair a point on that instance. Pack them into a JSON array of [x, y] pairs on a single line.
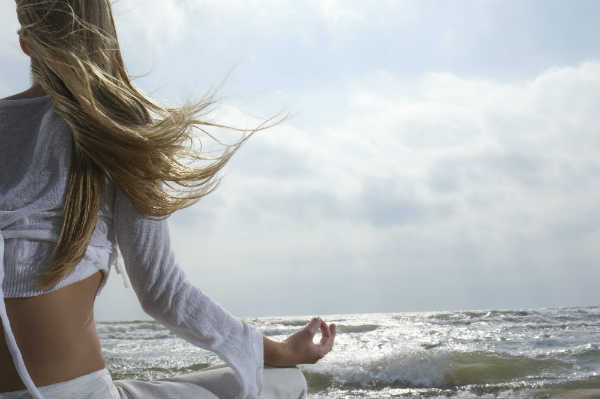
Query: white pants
[[211, 383]]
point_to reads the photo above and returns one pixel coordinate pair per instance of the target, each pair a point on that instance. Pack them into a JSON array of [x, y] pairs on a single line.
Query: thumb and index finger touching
[[327, 333]]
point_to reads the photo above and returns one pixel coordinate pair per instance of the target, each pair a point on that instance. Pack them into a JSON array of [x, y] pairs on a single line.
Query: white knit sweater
[[35, 155]]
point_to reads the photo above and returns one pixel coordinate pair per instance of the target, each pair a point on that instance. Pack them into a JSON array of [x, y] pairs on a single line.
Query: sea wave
[[429, 369], [361, 328], [295, 323], [590, 353], [144, 330], [553, 326], [470, 317], [340, 328]]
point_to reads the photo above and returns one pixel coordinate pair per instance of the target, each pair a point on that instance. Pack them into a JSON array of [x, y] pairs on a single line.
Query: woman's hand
[[299, 347]]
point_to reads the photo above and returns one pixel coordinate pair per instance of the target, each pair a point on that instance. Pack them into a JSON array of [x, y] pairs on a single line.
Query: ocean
[[521, 353]]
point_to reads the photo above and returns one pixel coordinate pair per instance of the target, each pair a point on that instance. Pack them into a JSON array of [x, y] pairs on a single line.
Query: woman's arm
[[165, 294], [169, 297], [299, 348]]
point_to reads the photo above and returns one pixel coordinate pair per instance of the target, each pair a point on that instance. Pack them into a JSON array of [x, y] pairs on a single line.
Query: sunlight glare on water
[[491, 353]]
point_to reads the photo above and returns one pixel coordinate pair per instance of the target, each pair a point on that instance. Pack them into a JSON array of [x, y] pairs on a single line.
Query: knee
[[284, 383], [301, 381]]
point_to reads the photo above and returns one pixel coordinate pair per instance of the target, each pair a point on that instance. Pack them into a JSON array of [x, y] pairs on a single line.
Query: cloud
[[458, 181], [159, 23], [464, 186]]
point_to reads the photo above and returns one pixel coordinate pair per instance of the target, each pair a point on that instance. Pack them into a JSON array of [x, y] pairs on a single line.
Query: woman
[[84, 170]]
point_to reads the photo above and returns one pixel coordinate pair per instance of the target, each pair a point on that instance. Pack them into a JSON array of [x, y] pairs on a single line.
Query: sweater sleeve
[[166, 295]]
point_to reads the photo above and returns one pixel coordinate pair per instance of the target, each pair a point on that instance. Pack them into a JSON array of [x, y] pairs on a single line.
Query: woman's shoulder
[[31, 93]]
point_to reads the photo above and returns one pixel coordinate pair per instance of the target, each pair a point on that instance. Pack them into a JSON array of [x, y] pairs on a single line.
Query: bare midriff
[[56, 334]]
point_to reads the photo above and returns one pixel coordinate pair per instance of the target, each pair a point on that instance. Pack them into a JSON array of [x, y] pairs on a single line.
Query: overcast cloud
[[440, 155]]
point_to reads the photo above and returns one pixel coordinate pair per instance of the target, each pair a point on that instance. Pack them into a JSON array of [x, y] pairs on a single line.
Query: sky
[[439, 155]]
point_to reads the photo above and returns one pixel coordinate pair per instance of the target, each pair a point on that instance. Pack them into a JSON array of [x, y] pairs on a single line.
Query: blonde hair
[[76, 59]]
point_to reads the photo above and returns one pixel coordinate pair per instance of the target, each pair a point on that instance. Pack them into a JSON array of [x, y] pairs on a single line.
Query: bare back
[[56, 333]]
